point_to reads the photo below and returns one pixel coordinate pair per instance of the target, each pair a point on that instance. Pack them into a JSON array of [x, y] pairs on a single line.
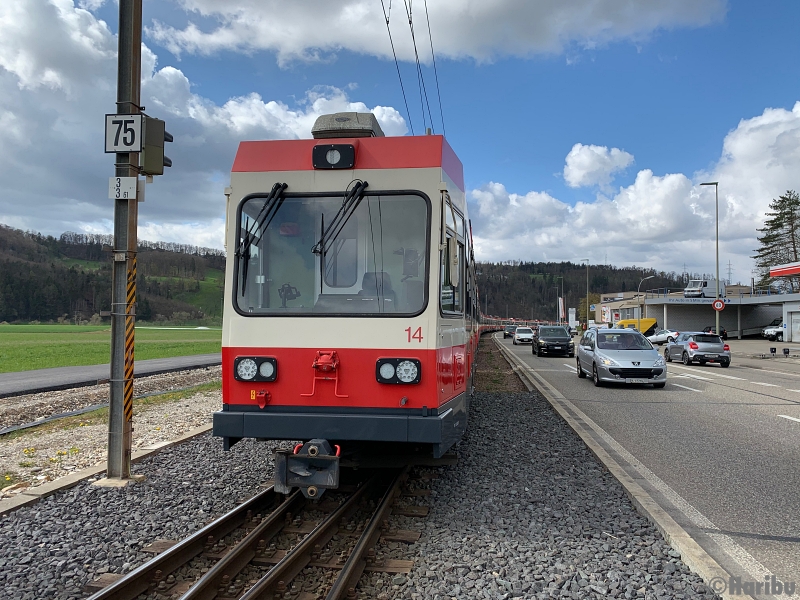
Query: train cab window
[[341, 261], [372, 262]]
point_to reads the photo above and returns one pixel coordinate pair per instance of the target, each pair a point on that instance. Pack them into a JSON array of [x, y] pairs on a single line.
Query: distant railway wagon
[[351, 312]]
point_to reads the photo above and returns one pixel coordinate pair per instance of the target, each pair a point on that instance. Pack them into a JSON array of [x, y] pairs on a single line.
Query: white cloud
[[57, 79], [594, 165], [663, 221], [479, 30]]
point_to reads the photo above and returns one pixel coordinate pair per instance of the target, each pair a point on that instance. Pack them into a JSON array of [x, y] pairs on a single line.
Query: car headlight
[[398, 370], [247, 369], [608, 362], [659, 361]]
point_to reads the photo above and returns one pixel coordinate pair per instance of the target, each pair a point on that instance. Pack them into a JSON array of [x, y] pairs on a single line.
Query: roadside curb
[[32, 495], [692, 554]]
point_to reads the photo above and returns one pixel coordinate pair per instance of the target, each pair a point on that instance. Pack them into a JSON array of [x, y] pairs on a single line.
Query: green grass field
[[87, 265], [27, 347]]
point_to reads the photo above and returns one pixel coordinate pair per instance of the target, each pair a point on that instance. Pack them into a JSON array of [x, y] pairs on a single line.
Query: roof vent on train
[[346, 125]]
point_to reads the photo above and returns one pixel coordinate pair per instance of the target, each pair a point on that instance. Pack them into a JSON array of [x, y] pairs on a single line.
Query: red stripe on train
[[411, 152], [444, 375]]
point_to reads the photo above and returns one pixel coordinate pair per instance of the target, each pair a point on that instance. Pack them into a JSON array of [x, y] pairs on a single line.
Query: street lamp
[[587, 291], [558, 312], [716, 199], [639, 325], [558, 305]]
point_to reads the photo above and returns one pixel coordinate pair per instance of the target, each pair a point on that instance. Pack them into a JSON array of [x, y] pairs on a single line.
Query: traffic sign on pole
[[122, 188], [123, 133], [717, 305]]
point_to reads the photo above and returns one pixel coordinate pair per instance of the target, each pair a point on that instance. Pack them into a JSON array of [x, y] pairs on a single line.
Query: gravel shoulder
[[27, 408], [530, 513]]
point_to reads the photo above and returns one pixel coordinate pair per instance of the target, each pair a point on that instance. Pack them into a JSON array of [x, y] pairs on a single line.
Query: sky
[[585, 126]]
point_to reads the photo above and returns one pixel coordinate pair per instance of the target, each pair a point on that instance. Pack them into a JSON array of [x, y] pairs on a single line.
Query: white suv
[[774, 331], [523, 335]]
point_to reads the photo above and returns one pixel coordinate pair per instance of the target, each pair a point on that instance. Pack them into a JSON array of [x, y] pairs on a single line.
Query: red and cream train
[[351, 312]]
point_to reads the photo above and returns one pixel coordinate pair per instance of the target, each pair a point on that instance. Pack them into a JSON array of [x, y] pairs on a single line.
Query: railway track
[[282, 547], [80, 411]]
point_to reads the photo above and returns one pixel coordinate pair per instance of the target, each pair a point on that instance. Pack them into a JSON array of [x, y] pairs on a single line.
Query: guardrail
[[756, 292]]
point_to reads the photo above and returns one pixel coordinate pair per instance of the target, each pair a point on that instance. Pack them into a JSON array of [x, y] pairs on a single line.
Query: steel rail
[[354, 567], [240, 555], [299, 557], [138, 581]]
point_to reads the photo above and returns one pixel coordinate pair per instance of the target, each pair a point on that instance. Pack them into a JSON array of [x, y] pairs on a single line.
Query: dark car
[[713, 329], [509, 330], [552, 339]]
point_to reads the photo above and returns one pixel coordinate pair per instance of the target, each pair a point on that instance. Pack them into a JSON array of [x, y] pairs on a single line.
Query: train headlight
[[407, 371], [246, 369], [398, 370], [333, 156], [387, 370], [267, 369], [255, 368]]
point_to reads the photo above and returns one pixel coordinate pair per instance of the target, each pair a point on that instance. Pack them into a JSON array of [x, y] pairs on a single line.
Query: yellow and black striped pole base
[[130, 320]]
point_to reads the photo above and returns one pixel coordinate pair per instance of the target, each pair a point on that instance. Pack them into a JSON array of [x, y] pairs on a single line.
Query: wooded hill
[[528, 289], [68, 279]]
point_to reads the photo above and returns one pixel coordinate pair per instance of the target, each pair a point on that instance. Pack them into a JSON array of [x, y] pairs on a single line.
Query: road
[[718, 448], [59, 378]]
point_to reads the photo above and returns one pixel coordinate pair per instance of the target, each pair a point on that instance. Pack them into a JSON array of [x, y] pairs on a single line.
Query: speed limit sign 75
[[123, 133], [718, 305]]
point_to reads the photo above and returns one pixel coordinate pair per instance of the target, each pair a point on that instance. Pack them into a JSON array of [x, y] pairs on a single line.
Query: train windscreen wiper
[[272, 204], [349, 205]]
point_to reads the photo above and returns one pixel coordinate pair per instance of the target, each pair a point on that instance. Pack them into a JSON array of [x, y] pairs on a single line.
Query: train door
[[452, 362]]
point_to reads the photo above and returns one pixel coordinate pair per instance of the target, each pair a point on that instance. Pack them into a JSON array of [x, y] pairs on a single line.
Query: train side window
[[451, 296], [454, 220]]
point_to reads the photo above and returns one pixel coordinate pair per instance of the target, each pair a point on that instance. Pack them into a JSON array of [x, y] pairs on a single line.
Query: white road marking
[[711, 374], [574, 370], [728, 377], [764, 384], [790, 418], [694, 376], [685, 387], [780, 372], [792, 390]]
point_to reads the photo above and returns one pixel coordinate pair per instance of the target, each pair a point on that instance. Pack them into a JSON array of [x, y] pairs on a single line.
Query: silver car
[[620, 356], [701, 347], [663, 336], [523, 335]]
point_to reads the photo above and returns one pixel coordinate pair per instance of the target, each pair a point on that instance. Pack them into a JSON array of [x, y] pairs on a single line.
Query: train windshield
[[372, 262]]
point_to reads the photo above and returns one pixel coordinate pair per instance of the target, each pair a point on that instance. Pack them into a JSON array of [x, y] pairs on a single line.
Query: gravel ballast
[[527, 512], [53, 548]]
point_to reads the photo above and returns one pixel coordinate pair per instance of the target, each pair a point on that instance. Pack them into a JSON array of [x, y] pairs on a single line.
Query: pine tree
[[780, 239]]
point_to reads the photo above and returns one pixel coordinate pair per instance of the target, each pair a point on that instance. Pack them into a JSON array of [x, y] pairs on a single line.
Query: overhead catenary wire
[[396, 64], [420, 76], [435, 72]]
